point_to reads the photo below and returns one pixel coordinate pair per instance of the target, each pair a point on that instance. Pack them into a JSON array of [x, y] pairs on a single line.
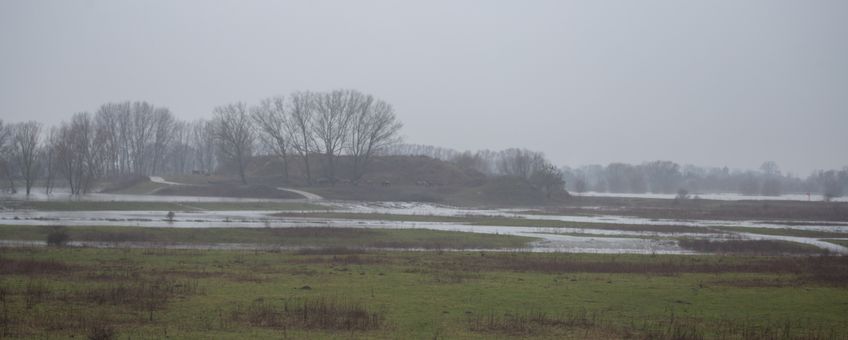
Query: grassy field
[[157, 206], [284, 237], [158, 293]]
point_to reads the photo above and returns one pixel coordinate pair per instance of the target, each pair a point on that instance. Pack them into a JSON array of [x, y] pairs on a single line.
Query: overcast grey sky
[[718, 82]]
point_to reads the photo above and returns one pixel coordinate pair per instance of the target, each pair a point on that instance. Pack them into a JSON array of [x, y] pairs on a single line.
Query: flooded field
[[581, 233]]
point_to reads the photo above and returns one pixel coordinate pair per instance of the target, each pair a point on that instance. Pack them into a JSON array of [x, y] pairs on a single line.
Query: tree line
[[668, 177], [139, 138], [663, 177]]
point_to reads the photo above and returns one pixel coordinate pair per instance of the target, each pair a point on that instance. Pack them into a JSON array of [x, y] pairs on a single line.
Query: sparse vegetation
[[309, 314]]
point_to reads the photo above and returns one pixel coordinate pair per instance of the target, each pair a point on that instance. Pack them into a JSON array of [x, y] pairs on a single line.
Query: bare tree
[[301, 120], [107, 123], [235, 135], [48, 159], [831, 182], [203, 143], [548, 178], [163, 125], [179, 153], [25, 138], [271, 119], [580, 184], [373, 128], [140, 131], [125, 128], [77, 153], [519, 162], [6, 164], [334, 113], [663, 176]]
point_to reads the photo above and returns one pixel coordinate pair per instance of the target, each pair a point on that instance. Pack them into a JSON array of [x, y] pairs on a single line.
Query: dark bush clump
[[58, 237]]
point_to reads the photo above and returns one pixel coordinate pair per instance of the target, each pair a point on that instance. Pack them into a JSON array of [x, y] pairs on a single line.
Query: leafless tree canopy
[[25, 143], [339, 122], [272, 119], [330, 129], [373, 128], [235, 135]]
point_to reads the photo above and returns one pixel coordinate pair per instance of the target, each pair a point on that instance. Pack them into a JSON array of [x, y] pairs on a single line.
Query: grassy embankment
[[154, 293]]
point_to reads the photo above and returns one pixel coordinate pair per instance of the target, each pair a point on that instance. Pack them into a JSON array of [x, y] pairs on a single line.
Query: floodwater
[[583, 240]]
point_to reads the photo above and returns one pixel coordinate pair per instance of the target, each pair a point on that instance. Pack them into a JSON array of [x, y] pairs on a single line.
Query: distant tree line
[[668, 177], [141, 139], [662, 177]]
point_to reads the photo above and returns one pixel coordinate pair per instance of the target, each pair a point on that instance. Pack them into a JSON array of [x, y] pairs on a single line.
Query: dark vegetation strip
[[825, 269], [329, 314], [843, 243], [156, 206], [298, 236], [706, 209], [767, 247], [599, 325], [787, 232]]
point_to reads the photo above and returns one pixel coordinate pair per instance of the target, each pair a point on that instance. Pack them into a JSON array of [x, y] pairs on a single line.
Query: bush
[[101, 332], [58, 237]]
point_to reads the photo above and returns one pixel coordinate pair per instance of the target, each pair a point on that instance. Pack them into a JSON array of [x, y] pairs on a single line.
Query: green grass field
[[158, 293]]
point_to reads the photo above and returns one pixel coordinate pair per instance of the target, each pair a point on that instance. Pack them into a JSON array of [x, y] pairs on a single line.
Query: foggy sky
[[718, 82]]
